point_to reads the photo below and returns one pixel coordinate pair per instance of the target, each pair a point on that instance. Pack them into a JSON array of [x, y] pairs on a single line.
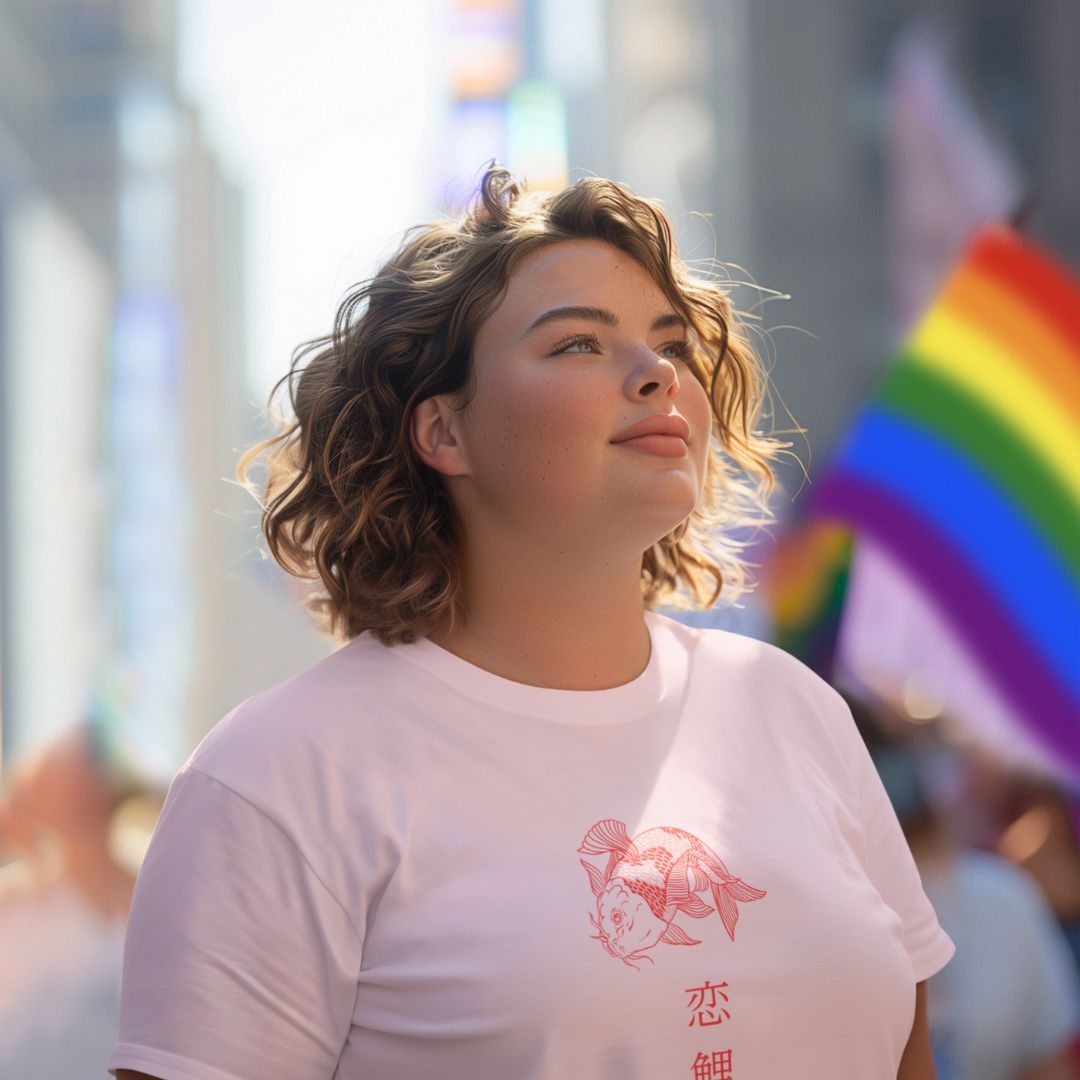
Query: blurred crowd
[[997, 849]]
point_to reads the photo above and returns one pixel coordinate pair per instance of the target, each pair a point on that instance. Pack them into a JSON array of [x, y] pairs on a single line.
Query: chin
[[666, 528], [670, 515]]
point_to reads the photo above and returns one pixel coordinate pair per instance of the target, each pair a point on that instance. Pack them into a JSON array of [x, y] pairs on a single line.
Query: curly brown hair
[[349, 504]]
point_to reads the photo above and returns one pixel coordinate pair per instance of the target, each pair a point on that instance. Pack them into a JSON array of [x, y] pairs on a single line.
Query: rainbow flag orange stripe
[[965, 466]]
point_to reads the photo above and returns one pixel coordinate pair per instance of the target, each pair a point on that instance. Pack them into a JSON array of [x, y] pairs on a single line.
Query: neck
[[540, 622]]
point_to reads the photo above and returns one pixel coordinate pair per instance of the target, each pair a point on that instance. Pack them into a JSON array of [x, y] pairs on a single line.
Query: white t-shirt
[[398, 864]]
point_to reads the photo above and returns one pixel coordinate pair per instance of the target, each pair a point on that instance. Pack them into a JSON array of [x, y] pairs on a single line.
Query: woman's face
[[554, 390]]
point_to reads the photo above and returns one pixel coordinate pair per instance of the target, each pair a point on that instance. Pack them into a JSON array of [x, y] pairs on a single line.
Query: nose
[[653, 375]]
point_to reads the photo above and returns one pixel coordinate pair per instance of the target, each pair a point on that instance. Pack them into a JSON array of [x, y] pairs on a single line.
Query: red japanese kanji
[[707, 1014], [715, 1066]]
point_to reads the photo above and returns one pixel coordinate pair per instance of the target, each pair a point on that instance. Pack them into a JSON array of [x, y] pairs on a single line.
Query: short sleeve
[[238, 962], [888, 861]]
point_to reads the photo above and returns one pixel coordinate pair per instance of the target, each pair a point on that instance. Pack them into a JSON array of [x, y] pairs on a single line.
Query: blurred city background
[[189, 187]]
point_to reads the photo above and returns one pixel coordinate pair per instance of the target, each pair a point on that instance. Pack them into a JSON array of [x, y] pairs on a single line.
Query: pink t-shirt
[[398, 864]]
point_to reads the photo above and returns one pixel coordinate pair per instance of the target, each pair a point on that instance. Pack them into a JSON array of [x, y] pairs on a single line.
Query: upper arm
[[219, 881], [918, 1060]]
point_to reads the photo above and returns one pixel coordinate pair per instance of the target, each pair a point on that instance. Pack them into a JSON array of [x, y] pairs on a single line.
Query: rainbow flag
[[965, 468]]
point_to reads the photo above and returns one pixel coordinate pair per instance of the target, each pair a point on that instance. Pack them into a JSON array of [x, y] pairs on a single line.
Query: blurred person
[[986, 795], [1025, 817], [1040, 832], [1008, 1005], [64, 900], [521, 823]]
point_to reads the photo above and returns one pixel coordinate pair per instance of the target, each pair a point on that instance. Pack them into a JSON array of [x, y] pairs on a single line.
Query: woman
[[522, 825]]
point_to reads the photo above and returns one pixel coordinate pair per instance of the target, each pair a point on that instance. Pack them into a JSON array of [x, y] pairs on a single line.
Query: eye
[[679, 349], [577, 339], [682, 349]]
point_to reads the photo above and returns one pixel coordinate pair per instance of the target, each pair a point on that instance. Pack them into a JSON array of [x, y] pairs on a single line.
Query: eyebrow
[[600, 315]]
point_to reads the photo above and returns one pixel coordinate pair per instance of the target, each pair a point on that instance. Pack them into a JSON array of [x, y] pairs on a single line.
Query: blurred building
[[121, 359]]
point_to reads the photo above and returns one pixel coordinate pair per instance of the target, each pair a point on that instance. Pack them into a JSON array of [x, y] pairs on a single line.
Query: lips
[[671, 426], [664, 435], [660, 445]]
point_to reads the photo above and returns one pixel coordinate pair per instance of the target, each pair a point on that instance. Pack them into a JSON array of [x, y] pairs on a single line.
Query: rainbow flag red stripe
[[965, 466]]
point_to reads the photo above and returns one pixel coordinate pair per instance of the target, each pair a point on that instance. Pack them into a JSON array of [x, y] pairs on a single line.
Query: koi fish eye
[[616, 917]]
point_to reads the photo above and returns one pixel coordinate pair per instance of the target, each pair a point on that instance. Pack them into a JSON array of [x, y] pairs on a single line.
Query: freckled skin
[[537, 434]]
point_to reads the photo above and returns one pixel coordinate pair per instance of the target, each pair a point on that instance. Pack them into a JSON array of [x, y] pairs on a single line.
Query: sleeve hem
[[162, 1064]]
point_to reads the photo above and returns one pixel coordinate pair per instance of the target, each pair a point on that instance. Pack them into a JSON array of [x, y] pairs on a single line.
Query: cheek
[[538, 421]]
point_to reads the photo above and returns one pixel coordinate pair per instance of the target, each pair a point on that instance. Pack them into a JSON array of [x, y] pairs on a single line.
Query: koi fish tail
[[727, 908], [608, 835], [743, 892], [728, 892]]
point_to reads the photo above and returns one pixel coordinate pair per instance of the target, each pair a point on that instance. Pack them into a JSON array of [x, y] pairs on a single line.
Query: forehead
[[575, 272]]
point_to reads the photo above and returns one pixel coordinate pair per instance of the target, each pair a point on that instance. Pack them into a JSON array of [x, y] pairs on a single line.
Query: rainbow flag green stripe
[[924, 397]]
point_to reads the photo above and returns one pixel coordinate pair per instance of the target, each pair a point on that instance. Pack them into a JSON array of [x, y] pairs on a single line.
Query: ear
[[435, 436]]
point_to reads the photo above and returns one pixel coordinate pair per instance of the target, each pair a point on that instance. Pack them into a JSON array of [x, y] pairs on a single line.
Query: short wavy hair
[[348, 503]]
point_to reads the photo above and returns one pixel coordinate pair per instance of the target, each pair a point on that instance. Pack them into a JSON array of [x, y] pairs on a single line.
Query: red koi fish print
[[650, 879]]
